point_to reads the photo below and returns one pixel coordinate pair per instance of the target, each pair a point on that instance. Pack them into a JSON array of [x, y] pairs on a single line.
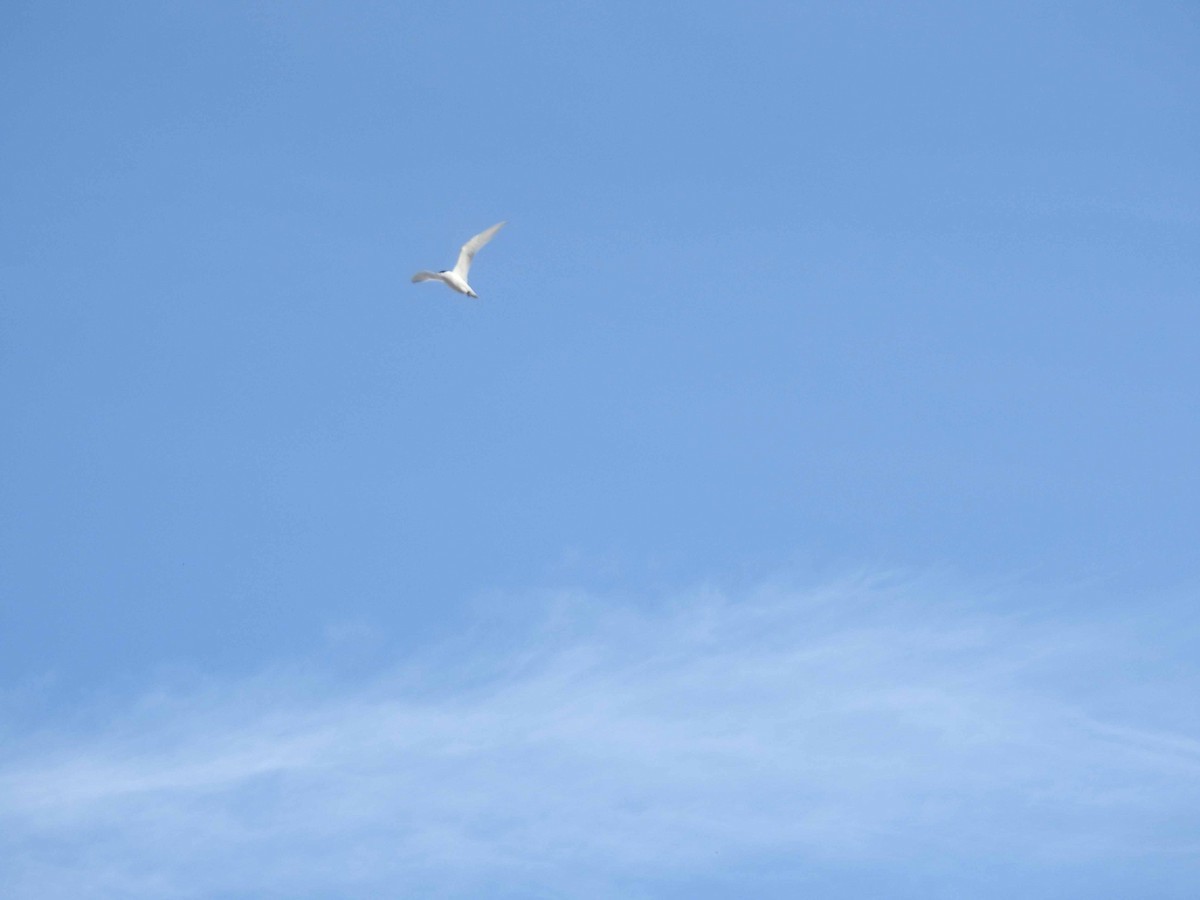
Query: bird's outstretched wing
[[426, 276], [471, 247]]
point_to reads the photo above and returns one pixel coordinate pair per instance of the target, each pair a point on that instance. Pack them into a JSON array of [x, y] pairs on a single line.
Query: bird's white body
[[456, 278]]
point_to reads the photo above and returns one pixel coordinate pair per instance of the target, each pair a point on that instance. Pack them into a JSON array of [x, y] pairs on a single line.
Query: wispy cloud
[[619, 744]]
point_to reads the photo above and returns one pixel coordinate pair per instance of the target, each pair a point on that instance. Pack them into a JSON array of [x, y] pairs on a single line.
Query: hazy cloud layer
[[619, 749]]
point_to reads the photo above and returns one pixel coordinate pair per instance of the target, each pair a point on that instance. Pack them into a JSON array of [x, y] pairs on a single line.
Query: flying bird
[[457, 277]]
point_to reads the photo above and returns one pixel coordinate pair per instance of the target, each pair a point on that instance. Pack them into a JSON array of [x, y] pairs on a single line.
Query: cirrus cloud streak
[[617, 748]]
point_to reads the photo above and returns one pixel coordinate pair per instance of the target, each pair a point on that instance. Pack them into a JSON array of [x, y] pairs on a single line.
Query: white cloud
[[615, 745]]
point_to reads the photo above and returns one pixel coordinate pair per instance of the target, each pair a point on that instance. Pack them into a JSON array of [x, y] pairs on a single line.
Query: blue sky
[[809, 501]]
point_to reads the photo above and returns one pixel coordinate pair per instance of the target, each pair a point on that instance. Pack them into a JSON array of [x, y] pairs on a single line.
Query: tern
[[457, 277]]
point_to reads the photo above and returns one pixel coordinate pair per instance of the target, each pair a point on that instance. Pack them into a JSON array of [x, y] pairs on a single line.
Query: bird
[[457, 277]]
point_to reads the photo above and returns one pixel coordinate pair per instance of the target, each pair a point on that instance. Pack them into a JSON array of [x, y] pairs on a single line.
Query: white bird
[[457, 277]]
